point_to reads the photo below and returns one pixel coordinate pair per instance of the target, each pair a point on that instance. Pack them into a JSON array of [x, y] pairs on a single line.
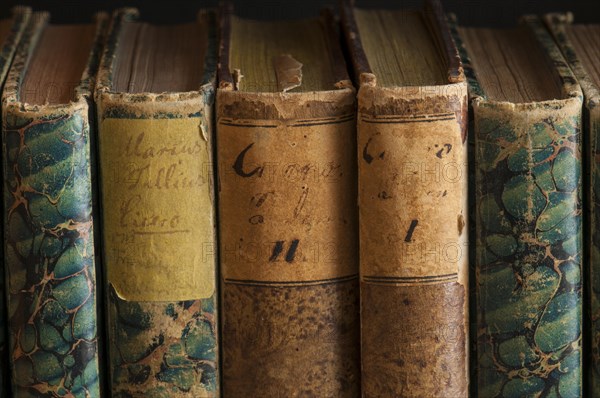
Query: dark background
[[471, 12]]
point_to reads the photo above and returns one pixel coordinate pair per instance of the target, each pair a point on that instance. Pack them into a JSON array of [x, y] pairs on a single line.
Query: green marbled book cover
[[578, 43], [529, 252], [8, 45], [593, 130], [157, 200], [49, 240]]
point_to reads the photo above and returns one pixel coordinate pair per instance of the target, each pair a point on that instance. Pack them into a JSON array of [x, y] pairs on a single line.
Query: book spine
[[287, 207], [159, 244], [49, 239], [593, 124], [7, 51], [529, 250], [157, 200], [558, 24], [529, 247], [50, 254], [412, 158]]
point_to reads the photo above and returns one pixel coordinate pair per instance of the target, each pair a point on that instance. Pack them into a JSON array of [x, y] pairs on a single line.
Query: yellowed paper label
[[287, 200], [413, 198], [157, 208]]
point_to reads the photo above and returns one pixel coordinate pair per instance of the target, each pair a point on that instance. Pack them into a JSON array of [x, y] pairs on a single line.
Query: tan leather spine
[[287, 183], [288, 237], [412, 167], [414, 262]]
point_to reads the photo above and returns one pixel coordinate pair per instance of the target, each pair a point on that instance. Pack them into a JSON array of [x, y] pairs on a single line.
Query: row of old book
[[245, 208]]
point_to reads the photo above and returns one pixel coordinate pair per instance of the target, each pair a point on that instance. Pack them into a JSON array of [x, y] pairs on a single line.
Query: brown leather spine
[[412, 160], [414, 341], [288, 248], [291, 341]]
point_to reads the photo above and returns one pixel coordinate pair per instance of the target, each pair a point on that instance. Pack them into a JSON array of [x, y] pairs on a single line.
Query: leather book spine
[[288, 239], [412, 173], [414, 248], [53, 306], [159, 238], [20, 17]]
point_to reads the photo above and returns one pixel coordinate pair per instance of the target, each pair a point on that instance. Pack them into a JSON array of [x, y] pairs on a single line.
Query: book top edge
[[227, 82], [570, 89], [438, 25], [104, 83], [557, 24], [30, 37]]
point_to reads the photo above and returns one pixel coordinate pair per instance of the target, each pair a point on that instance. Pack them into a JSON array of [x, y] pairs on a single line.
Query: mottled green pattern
[[529, 250], [558, 24], [163, 349], [50, 256], [594, 140], [7, 51]]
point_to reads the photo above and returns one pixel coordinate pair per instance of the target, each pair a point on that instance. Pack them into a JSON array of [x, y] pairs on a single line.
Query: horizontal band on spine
[[291, 283]]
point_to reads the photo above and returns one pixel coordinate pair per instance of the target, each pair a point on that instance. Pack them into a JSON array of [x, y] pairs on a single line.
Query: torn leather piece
[[237, 78], [288, 71]]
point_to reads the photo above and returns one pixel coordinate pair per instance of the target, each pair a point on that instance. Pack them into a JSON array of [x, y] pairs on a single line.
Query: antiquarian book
[[287, 210], [47, 133], [155, 95], [527, 125], [412, 195], [11, 30], [580, 44]]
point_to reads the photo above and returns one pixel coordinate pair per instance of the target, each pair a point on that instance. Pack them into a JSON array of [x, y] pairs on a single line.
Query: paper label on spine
[[413, 197], [157, 209], [287, 200]]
